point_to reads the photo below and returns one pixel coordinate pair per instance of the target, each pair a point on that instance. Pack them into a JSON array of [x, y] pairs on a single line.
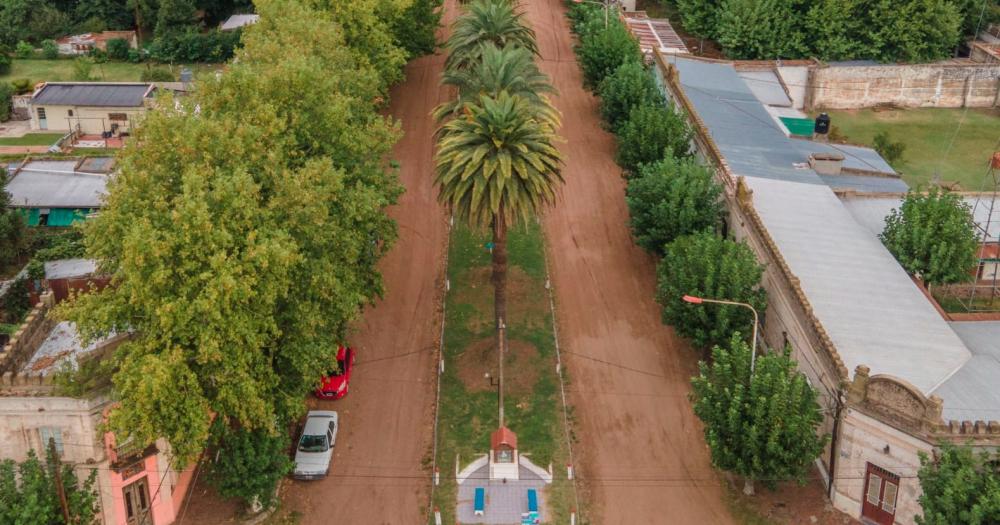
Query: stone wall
[[941, 85], [29, 336]]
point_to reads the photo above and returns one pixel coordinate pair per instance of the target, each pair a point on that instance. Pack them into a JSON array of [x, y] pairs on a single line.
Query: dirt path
[[641, 454], [377, 474]]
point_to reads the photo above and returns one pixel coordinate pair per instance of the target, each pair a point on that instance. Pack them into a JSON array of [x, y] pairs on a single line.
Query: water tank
[[188, 76], [822, 126]]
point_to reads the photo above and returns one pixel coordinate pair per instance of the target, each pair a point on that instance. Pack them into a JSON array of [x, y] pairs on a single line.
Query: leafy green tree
[[175, 16], [415, 29], [28, 492], [368, 33], [764, 426], [14, 16], [112, 14], [700, 17], [83, 68], [50, 50], [4, 61], [497, 166], [670, 198], [705, 265], [761, 29], [933, 236], [24, 50], [251, 462], [6, 99], [958, 487], [496, 21], [12, 225], [914, 30], [630, 85], [511, 69], [836, 28], [651, 132], [118, 49], [47, 22], [602, 51]]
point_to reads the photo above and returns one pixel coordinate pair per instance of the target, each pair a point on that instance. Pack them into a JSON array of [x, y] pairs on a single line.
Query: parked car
[[336, 383], [315, 448]]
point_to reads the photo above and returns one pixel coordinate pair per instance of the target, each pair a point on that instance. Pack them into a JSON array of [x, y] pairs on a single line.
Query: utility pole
[[57, 475]]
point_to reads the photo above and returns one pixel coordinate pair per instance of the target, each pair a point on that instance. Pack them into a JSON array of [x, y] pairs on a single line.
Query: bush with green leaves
[[13, 237], [933, 236], [891, 151], [83, 68], [4, 62], [415, 29], [6, 99], [585, 17], [156, 74], [765, 29], [24, 50], [652, 132], [22, 85], [15, 304], [601, 52], [670, 198], [629, 86], [28, 492], [50, 49], [250, 464], [134, 55], [762, 426], [191, 46], [959, 487], [706, 265], [118, 48]]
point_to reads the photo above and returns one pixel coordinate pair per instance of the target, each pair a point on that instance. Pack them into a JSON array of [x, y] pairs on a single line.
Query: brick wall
[[942, 85]]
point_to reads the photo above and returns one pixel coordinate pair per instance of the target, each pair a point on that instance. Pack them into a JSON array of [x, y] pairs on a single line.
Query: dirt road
[[377, 476], [641, 454]]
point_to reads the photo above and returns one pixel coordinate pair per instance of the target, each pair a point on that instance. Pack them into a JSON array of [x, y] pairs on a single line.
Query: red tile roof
[[503, 436]]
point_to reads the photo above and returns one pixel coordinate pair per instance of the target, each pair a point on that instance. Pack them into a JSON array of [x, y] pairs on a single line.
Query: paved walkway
[[505, 502]]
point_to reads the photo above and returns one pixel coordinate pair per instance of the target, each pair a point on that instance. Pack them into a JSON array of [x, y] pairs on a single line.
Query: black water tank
[[822, 126]]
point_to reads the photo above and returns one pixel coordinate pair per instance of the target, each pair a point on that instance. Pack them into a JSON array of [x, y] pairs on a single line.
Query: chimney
[[827, 163]]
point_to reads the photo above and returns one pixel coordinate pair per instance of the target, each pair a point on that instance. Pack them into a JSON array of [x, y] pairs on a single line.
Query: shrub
[[602, 51], [22, 85], [50, 49], [83, 69], [891, 151], [706, 265], [118, 49], [250, 464], [133, 55], [416, 27], [16, 303], [629, 86], [24, 50], [213, 46], [99, 56], [649, 133], [670, 198], [4, 62], [6, 96], [156, 74]]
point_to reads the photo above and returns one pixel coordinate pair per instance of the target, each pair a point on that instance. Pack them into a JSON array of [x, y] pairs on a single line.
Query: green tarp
[[56, 216], [802, 127]]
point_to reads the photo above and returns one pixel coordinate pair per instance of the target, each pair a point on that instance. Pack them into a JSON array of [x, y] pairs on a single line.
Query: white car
[[315, 449]]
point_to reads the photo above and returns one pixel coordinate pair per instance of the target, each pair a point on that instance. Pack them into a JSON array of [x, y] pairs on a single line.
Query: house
[[59, 192], [108, 109], [84, 43], [136, 481], [239, 21], [895, 376]]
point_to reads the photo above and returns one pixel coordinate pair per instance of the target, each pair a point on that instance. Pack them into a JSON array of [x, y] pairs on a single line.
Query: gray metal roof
[[238, 21], [66, 268], [971, 393], [871, 212], [62, 347], [765, 85], [873, 312], [119, 95], [54, 184]]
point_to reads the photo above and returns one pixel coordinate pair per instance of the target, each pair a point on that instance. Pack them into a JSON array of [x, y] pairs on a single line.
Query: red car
[[336, 383]]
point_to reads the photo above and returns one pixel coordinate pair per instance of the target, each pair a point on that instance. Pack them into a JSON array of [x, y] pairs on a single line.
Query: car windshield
[[313, 444], [339, 371]]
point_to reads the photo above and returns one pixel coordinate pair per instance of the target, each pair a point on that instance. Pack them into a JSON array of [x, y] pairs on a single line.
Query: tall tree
[[652, 132], [933, 236], [603, 50], [496, 21], [670, 198], [28, 492], [959, 487], [497, 166], [761, 426], [367, 31], [175, 16], [836, 28], [112, 14], [14, 16], [630, 85], [415, 29], [12, 224], [764, 29], [914, 30], [705, 265], [700, 17]]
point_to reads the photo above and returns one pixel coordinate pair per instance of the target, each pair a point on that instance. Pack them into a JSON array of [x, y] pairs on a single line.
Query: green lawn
[[61, 70], [31, 139], [532, 405], [927, 134]]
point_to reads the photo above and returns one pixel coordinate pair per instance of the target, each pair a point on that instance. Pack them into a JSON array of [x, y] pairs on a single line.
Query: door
[[42, 122], [881, 489], [137, 510]]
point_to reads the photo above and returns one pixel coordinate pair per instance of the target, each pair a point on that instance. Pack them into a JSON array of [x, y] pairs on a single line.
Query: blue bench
[[532, 500], [480, 504]]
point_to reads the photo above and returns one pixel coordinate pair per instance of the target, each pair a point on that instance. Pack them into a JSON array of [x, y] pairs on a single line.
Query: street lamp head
[[692, 299]]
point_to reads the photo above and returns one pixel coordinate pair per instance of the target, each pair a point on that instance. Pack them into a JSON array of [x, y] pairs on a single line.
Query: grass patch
[[31, 139], [956, 305], [468, 409], [926, 134], [61, 70]]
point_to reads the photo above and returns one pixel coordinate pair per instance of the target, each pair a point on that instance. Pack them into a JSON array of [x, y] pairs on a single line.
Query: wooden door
[[137, 510], [881, 490]]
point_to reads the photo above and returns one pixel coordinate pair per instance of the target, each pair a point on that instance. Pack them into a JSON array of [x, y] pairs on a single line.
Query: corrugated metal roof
[[972, 394], [64, 268], [238, 21], [54, 184], [119, 95], [654, 33], [766, 86]]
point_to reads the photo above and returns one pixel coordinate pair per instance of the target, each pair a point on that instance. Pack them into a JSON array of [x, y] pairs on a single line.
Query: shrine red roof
[[503, 436]]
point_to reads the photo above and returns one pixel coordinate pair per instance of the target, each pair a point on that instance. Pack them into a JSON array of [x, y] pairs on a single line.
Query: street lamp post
[[699, 300]]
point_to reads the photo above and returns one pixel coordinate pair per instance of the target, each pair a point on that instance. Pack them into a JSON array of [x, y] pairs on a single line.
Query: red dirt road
[[641, 454], [377, 476]]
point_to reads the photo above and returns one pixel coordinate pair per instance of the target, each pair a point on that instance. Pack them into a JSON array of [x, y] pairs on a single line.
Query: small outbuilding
[[109, 109]]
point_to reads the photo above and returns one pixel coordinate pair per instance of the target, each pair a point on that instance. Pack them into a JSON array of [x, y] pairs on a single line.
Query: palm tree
[[495, 21], [511, 69], [496, 165]]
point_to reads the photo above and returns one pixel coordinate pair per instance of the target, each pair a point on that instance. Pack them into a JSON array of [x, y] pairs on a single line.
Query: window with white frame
[[45, 434]]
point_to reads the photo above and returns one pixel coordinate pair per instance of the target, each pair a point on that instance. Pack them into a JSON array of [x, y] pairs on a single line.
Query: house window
[[45, 434], [69, 112], [117, 117], [41, 113], [874, 486]]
